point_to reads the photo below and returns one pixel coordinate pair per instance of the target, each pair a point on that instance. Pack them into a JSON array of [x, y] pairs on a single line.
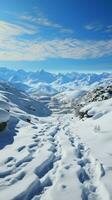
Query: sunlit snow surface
[[46, 155]]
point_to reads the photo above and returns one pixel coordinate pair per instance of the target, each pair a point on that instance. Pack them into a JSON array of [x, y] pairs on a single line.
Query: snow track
[[90, 171], [49, 161]]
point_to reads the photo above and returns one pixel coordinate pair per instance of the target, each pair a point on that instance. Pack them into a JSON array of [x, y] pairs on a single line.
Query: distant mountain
[[42, 89], [43, 82]]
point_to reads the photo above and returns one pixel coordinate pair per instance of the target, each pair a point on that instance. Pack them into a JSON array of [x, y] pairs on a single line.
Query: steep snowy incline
[[96, 132], [20, 102], [48, 161]]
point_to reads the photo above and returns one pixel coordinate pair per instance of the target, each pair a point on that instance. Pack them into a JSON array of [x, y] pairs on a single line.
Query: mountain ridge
[[48, 83]]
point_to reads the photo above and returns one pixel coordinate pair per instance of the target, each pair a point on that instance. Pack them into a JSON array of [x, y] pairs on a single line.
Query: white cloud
[[109, 29], [99, 27], [12, 48], [9, 29], [44, 21], [93, 27]]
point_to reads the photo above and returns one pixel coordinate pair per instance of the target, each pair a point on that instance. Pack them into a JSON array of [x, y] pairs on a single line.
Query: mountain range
[[46, 83]]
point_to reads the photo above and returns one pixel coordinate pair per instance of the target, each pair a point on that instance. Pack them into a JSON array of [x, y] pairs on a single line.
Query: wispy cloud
[[93, 27], [41, 20], [109, 29], [99, 27], [14, 49], [9, 30]]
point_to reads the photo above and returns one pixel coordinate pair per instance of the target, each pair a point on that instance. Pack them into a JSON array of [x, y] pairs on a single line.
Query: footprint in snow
[[9, 159], [64, 186], [37, 140], [35, 136], [21, 148], [35, 127], [32, 147]]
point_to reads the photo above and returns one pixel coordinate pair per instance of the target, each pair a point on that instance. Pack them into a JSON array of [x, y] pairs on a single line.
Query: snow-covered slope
[[72, 96], [96, 133], [47, 159], [4, 116], [98, 109], [48, 155], [65, 102], [21, 102]]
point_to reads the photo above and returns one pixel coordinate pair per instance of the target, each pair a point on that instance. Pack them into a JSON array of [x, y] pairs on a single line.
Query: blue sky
[[56, 35]]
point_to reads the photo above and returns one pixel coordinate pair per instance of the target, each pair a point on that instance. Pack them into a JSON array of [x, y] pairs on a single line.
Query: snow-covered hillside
[[21, 101], [47, 150]]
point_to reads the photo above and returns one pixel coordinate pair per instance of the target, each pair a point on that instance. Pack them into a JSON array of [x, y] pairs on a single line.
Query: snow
[[4, 116], [47, 155], [98, 109], [70, 96], [42, 89], [4, 109], [49, 83], [4, 105]]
